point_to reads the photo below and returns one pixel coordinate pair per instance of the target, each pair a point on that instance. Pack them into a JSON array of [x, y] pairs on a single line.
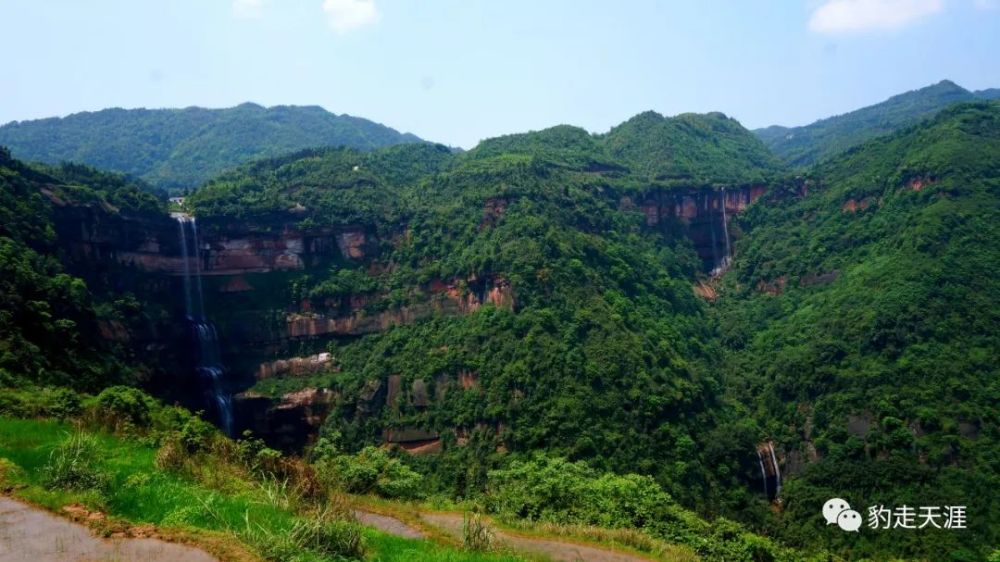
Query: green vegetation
[[370, 471], [228, 497], [879, 356], [531, 317], [803, 146], [553, 490], [595, 297], [691, 150], [49, 319], [177, 149]]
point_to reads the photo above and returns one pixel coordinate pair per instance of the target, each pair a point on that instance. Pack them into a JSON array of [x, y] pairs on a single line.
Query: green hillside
[[178, 149], [861, 324], [690, 149], [535, 314], [871, 369], [585, 276], [802, 146], [49, 318]]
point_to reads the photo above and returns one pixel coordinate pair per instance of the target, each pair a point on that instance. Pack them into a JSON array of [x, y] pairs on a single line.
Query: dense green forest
[[589, 383], [879, 354], [596, 296], [49, 318], [178, 149], [879, 257], [809, 144]]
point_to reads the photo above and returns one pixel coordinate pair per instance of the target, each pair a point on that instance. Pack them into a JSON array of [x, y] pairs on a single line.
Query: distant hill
[[182, 148], [802, 146], [691, 148], [685, 150], [990, 94]]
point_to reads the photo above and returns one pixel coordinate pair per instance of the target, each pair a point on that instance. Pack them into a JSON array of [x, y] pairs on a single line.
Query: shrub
[[55, 402], [124, 405], [196, 434], [9, 473], [256, 456], [172, 455], [372, 470], [556, 490], [71, 465]]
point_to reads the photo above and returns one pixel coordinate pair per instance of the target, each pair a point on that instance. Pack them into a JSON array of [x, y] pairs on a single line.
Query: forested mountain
[[802, 146], [988, 94], [690, 149], [861, 325], [50, 319], [616, 330], [180, 148]]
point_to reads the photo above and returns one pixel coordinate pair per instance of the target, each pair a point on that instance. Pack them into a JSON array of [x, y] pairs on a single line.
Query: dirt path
[[389, 525], [31, 534], [557, 550]]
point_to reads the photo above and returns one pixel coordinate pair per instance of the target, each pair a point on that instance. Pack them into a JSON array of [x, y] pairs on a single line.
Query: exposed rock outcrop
[[700, 212], [296, 366], [149, 242], [352, 243], [287, 422], [446, 298], [854, 205], [413, 440], [774, 287]]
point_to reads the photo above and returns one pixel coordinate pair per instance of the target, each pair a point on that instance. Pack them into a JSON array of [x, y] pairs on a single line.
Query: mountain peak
[[803, 146]]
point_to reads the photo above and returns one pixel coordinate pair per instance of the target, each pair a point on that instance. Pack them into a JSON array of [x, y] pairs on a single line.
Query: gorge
[[636, 313], [235, 332]]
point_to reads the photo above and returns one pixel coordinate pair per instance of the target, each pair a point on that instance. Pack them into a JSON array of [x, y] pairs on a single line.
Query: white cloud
[[348, 15], [851, 16], [248, 9]]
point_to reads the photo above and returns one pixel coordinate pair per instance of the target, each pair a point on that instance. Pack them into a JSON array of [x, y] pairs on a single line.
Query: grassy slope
[[142, 493]]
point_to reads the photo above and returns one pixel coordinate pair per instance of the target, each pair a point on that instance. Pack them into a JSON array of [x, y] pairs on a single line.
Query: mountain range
[[802, 146], [177, 149], [668, 330]]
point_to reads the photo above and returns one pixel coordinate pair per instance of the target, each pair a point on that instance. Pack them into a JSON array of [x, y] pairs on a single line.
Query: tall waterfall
[[725, 229], [722, 265], [209, 364]]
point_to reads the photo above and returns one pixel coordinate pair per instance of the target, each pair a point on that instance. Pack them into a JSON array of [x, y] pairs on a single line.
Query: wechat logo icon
[[838, 511]]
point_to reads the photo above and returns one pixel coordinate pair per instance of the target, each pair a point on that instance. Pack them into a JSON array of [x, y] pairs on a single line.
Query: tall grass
[[73, 465], [276, 516], [477, 536]]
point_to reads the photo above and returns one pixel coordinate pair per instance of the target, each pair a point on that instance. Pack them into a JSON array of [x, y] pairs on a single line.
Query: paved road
[[560, 551], [389, 525], [31, 534]]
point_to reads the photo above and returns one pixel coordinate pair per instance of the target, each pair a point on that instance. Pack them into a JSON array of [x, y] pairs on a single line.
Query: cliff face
[[151, 243], [701, 214], [240, 264], [264, 332], [441, 298]]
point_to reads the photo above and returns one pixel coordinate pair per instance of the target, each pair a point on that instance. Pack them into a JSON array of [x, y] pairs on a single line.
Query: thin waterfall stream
[[725, 229], [777, 470], [763, 474], [721, 265], [209, 360]]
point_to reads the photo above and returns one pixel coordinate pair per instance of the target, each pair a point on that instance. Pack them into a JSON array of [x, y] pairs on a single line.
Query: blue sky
[[457, 71]]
